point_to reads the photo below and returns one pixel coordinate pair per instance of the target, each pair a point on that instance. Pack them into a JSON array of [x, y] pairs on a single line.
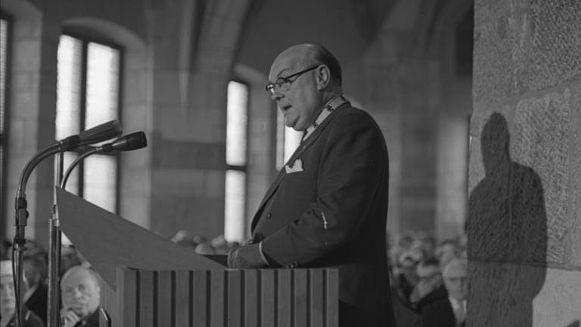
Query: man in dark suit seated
[[35, 271], [449, 311], [430, 287], [81, 298], [328, 205]]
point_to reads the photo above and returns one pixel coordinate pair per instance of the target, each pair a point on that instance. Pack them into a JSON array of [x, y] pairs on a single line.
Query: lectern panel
[[147, 308], [164, 288], [183, 294], [250, 292], [228, 298], [234, 298], [218, 297], [284, 298], [200, 299]]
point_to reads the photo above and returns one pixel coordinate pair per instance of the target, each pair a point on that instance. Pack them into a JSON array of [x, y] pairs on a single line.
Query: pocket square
[[296, 167]]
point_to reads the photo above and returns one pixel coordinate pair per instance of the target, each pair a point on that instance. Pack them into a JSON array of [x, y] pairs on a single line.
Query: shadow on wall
[[507, 235]]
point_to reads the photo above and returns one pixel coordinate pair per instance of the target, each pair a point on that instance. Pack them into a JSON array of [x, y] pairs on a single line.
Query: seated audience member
[[429, 286], [185, 239], [35, 271], [205, 248], [449, 311], [405, 241], [427, 244], [407, 277], [81, 298], [8, 300], [404, 281], [447, 250]]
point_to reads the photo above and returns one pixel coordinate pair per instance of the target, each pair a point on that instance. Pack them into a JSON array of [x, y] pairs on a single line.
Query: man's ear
[[323, 77]]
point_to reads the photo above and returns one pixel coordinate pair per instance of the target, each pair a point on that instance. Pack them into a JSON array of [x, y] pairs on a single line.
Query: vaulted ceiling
[[346, 27]]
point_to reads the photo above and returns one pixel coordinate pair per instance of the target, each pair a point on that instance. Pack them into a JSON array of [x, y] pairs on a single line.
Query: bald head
[[308, 54], [80, 291], [302, 79]]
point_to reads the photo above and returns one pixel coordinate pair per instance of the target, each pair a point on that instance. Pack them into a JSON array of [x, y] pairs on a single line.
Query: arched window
[[236, 161], [88, 94]]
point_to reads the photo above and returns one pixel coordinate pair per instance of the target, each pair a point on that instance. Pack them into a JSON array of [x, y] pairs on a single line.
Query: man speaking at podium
[[328, 205]]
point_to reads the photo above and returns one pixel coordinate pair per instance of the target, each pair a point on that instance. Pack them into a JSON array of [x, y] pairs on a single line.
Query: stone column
[[397, 87], [193, 60], [524, 221]]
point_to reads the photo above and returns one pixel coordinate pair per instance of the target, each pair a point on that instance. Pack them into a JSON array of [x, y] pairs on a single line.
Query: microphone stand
[[96, 134], [55, 239], [21, 218], [80, 158], [54, 261], [129, 142]]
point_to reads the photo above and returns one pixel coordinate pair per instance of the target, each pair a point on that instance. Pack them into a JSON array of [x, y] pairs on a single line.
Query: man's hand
[[69, 318], [246, 256]]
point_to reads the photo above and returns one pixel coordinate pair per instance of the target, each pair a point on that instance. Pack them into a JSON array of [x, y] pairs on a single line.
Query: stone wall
[[524, 223]]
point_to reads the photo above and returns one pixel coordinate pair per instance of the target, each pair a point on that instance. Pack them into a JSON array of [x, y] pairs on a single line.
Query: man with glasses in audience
[[449, 311], [81, 298], [328, 205]]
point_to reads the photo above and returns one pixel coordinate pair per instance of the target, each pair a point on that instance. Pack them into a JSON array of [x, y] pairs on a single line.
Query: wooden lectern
[[150, 281]]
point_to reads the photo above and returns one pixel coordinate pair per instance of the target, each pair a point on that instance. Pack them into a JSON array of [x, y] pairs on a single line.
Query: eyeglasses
[[284, 83]]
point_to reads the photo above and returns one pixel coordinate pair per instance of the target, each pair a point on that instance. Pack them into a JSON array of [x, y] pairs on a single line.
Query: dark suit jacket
[[436, 295], [91, 321], [38, 302], [333, 213], [30, 320], [438, 313]]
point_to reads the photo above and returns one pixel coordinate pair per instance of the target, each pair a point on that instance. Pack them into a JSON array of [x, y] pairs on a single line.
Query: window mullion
[[83, 109], [118, 158]]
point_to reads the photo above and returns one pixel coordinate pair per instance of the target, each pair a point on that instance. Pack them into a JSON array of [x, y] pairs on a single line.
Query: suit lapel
[[282, 173], [266, 197]]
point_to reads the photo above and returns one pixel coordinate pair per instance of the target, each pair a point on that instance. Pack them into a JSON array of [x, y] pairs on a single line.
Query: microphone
[[96, 134], [100, 133], [93, 135], [129, 142]]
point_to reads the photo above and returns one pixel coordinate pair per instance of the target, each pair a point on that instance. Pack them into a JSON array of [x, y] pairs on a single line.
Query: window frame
[[241, 168], [5, 128], [87, 37]]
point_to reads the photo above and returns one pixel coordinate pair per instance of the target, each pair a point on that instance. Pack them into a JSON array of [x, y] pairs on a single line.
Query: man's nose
[[77, 293], [276, 95]]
